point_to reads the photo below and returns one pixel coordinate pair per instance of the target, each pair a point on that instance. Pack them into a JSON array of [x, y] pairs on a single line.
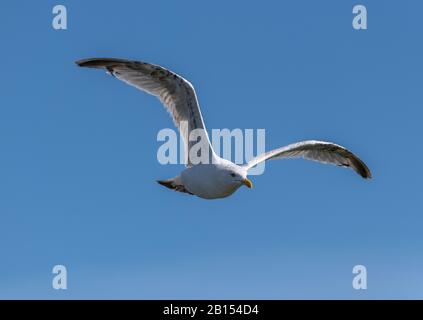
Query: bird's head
[[237, 176]]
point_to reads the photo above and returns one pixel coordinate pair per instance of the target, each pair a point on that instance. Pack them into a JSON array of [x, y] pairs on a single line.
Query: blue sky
[[78, 151]]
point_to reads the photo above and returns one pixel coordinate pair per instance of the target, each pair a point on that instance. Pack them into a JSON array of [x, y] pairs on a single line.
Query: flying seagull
[[219, 177]]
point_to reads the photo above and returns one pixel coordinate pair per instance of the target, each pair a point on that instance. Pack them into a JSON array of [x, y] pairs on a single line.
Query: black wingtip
[[363, 170], [90, 63], [367, 176], [81, 62], [99, 62]]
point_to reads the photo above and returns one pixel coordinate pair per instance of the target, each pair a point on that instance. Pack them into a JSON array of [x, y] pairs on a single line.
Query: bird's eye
[[233, 175]]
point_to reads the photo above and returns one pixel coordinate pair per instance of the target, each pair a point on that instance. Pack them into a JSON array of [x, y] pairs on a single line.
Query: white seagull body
[[218, 178]]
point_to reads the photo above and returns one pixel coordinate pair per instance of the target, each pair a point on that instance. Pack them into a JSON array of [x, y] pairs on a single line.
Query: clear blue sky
[[78, 151]]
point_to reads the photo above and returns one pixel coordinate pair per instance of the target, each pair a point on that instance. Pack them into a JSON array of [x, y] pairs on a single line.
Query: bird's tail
[[174, 184]]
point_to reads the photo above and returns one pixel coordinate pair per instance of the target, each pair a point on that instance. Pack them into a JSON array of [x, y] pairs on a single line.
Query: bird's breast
[[204, 182]]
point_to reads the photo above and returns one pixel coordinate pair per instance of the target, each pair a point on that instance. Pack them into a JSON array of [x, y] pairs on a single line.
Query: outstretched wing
[[321, 151], [176, 93]]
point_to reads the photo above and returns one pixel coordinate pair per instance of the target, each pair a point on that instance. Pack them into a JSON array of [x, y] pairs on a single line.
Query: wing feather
[[177, 94], [321, 151]]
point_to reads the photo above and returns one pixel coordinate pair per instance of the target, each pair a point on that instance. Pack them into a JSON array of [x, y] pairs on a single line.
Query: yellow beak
[[247, 183]]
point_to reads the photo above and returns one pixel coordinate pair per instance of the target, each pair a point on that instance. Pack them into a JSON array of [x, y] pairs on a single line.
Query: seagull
[[217, 178]]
